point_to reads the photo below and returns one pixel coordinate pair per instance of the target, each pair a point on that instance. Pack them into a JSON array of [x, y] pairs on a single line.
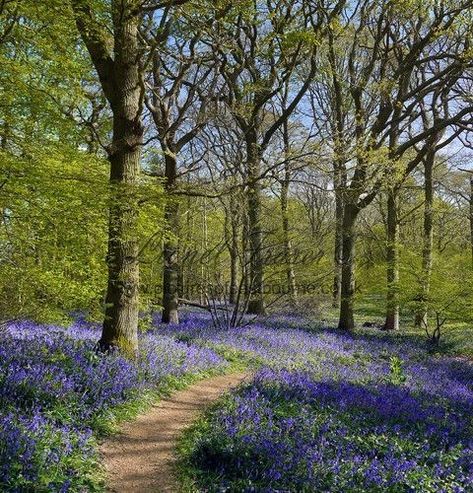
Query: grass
[[108, 423], [186, 472], [456, 339]]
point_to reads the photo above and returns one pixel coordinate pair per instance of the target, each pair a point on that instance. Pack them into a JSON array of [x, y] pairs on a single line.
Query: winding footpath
[[140, 459]]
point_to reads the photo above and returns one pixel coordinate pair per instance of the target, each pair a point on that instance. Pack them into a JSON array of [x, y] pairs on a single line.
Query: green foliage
[[48, 441], [396, 372], [52, 232], [450, 292]]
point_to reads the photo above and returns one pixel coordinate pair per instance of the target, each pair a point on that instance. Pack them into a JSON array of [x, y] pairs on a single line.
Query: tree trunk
[[392, 259], [187, 254], [231, 242], [233, 259], [338, 246], [232, 296], [428, 241], [255, 239], [245, 267], [170, 312], [288, 251], [120, 327], [339, 170], [346, 319]]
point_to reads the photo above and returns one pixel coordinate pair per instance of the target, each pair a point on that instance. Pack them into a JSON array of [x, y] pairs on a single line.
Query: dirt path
[[140, 459]]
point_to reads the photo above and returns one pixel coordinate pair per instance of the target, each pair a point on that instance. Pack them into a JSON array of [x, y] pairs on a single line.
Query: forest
[[236, 246]]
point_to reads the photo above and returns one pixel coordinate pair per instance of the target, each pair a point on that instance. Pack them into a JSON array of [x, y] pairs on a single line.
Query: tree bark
[[233, 250], [339, 170], [170, 312], [285, 184], [346, 319], [392, 259], [245, 267], [288, 251], [233, 270], [255, 233], [121, 79], [428, 241], [338, 240], [120, 327], [187, 255]]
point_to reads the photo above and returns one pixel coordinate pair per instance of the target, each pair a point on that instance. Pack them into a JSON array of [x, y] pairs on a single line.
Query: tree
[[116, 59], [285, 183], [288, 250], [384, 63], [259, 48], [45, 273], [180, 88], [333, 116]]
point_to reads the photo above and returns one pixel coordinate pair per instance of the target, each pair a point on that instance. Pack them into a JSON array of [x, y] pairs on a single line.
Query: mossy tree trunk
[[347, 301], [255, 233], [170, 312], [392, 262], [427, 241], [121, 79]]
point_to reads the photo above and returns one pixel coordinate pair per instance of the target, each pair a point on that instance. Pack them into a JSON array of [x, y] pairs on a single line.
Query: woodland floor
[[140, 458]]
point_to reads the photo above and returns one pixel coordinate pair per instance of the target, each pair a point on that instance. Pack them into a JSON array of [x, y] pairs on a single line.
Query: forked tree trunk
[[392, 259], [346, 319], [255, 233], [428, 242], [170, 312]]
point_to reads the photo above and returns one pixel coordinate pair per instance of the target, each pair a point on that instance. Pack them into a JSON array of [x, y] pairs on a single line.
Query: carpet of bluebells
[[325, 412], [330, 412], [53, 390]]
